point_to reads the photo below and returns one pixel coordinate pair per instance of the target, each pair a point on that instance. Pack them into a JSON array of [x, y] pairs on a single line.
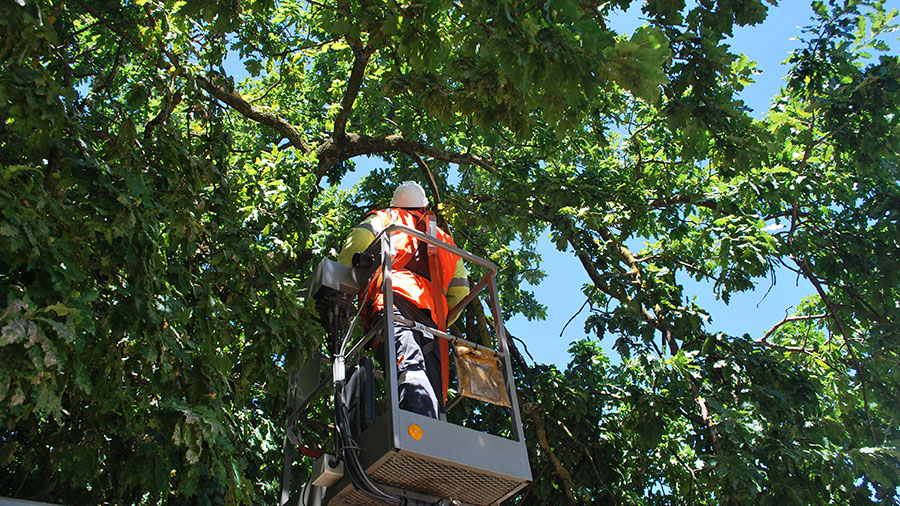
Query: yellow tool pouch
[[480, 376]]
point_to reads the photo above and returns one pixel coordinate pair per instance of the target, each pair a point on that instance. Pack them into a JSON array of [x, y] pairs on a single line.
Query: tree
[[158, 221]]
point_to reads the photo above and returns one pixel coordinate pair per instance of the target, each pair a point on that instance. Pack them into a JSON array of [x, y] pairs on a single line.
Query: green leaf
[[60, 309], [136, 97], [14, 332], [637, 64], [341, 26], [254, 67]]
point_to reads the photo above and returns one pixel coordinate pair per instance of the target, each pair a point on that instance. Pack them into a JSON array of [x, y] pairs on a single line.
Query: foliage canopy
[[158, 220]]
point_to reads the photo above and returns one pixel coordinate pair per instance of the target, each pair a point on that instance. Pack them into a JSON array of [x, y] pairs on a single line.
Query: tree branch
[[432, 183], [623, 297], [634, 272], [707, 419], [696, 200], [798, 349], [807, 272], [426, 172], [789, 319], [357, 72], [331, 153], [236, 101], [232, 99], [564, 475], [169, 102]]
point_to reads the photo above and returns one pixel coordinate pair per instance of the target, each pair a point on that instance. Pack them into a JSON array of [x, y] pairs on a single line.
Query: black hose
[[347, 448], [348, 452]]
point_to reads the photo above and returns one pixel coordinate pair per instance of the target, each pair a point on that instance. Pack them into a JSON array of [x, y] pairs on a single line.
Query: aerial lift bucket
[[408, 455]]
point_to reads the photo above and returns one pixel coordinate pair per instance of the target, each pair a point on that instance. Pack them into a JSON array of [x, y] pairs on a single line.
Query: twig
[[774, 280], [834, 314], [270, 88], [426, 172], [789, 319], [523, 346], [586, 302]]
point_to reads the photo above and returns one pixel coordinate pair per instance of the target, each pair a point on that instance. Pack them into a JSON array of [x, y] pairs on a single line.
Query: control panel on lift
[[383, 454]]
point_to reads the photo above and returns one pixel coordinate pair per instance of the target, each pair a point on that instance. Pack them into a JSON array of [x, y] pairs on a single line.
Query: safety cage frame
[[419, 459]]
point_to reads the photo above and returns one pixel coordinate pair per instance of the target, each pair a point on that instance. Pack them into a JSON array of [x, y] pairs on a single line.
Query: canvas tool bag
[[479, 376]]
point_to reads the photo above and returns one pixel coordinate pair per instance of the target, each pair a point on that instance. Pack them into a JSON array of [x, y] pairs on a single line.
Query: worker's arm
[[360, 237], [458, 288]]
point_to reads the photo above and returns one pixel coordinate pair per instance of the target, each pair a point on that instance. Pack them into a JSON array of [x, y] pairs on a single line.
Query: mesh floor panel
[[420, 475]]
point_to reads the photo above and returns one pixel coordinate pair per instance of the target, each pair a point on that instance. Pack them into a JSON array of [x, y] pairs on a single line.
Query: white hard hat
[[409, 194]]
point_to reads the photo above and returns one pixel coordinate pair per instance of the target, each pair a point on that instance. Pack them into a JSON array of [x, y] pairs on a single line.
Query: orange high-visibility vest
[[430, 294]]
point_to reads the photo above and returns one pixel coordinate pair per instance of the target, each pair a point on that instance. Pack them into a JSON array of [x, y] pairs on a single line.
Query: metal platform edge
[[9, 501], [460, 447]]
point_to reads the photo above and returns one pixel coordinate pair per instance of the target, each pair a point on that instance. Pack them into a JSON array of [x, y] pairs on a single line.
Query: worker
[[427, 282]]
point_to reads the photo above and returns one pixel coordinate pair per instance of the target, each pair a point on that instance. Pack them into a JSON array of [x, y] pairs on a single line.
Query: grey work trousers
[[418, 368]]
